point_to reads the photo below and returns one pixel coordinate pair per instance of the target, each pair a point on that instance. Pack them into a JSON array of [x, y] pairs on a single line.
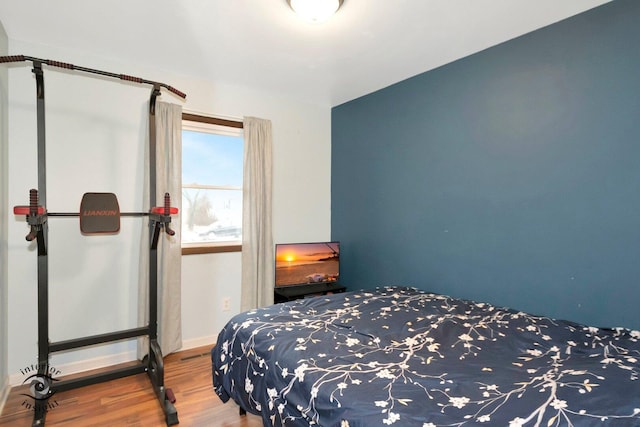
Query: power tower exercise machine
[[99, 213]]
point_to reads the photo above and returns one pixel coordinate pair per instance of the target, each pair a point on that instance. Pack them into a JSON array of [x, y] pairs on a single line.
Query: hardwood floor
[[131, 401]]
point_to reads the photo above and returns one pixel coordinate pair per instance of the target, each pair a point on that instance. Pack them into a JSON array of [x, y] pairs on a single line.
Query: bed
[[398, 355]]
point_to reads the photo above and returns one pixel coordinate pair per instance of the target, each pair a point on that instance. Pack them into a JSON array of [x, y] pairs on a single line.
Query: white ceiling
[[367, 45]]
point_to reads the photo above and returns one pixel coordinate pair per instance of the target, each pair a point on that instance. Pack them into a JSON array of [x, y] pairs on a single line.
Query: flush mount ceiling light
[[315, 10]]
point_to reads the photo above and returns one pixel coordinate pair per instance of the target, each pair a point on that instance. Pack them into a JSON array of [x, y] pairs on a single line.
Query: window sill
[[210, 248]]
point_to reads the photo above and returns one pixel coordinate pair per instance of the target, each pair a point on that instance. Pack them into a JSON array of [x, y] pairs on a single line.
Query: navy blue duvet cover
[[404, 357]]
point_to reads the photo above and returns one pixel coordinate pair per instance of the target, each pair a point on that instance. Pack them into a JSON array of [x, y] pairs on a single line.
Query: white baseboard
[[199, 342], [104, 361], [83, 365], [5, 387]]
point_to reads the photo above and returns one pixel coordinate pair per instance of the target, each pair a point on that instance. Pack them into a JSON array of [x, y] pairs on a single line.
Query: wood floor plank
[[131, 401]]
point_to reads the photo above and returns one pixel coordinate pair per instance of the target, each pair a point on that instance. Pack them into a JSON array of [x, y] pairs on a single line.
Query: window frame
[[211, 247]]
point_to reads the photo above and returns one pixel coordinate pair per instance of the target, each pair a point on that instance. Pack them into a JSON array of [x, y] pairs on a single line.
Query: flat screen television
[[307, 263]]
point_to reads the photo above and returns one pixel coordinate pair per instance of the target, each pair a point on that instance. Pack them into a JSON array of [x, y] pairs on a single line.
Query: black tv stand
[[290, 293]]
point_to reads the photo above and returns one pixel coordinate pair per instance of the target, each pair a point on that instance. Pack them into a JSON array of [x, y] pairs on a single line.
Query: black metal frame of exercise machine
[[36, 214]]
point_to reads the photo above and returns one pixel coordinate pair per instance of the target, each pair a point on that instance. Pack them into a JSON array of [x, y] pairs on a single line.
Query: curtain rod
[[212, 120], [238, 119], [21, 58]]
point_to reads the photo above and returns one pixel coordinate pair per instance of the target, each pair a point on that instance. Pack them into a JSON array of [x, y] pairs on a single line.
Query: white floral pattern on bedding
[[404, 357]]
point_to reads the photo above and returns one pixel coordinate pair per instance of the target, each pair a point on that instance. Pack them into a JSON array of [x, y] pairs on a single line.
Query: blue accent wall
[[511, 176]]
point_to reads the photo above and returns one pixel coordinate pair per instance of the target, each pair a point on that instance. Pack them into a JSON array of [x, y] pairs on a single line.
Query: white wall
[[95, 140], [4, 216]]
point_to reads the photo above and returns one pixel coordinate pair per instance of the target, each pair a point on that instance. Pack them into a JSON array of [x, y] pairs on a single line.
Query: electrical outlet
[[226, 304]]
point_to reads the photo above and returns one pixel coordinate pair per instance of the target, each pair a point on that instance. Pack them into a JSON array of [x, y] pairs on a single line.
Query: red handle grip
[[161, 210], [32, 235], [130, 78], [60, 64], [26, 210], [13, 58], [177, 92]]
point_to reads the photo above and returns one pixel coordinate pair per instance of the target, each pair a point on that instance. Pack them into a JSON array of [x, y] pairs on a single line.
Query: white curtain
[[257, 240], [168, 118]]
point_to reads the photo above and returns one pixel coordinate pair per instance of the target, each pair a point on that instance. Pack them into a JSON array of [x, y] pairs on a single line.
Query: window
[[212, 158]]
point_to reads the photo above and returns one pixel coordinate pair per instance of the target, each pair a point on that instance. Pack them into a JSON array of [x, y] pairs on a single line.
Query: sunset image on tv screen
[[300, 263]]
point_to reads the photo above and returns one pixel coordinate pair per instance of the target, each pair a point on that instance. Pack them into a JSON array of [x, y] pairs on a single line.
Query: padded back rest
[[99, 213]]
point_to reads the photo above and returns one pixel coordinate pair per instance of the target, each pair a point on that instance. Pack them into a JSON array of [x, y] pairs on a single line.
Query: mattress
[[405, 357]]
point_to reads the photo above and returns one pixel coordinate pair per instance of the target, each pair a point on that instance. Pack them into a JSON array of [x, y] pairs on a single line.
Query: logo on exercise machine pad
[[99, 213]]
